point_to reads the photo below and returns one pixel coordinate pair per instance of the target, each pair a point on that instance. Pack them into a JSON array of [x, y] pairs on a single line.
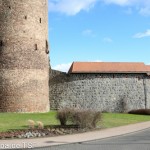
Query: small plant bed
[[39, 133]]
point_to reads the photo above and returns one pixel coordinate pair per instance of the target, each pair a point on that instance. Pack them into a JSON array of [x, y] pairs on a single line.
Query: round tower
[[24, 59]]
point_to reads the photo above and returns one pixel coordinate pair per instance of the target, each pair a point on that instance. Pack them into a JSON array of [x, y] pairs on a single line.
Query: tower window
[[47, 49], [1, 43], [9, 7], [40, 20], [25, 17], [36, 48]]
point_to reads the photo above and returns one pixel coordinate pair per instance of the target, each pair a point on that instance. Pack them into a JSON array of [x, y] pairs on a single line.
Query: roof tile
[[109, 67]]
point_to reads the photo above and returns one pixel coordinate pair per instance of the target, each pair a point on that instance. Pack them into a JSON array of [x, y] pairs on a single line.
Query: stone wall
[[24, 59], [104, 92]]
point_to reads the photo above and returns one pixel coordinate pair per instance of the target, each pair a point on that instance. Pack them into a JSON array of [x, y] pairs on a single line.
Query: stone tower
[[24, 59]]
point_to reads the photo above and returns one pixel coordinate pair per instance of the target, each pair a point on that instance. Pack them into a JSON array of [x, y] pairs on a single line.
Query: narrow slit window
[[47, 50], [25, 17], [40, 20], [1, 43], [46, 44], [36, 48]]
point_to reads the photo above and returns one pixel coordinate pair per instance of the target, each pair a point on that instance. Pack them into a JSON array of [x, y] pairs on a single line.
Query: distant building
[[104, 86]]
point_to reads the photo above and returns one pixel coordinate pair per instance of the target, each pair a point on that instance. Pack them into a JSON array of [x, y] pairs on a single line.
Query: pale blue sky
[[98, 30]]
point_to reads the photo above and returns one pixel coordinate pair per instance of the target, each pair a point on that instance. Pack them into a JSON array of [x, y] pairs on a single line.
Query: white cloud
[[142, 6], [71, 7], [145, 11], [142, 34], [118, 2], [107, 40], [97, 61], [62, 67], [88, 32]]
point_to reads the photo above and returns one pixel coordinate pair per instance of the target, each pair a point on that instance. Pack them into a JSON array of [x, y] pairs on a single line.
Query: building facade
[[108, 87], [24, 60]]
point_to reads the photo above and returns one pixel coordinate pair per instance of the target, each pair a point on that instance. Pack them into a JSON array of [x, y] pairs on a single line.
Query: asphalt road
[[136, 141]]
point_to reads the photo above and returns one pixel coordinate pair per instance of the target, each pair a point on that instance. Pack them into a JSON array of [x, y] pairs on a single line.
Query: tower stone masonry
[[24, 59]]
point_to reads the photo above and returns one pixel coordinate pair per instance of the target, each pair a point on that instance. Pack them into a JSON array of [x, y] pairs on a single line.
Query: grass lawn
[[10, 121], [119, 119]]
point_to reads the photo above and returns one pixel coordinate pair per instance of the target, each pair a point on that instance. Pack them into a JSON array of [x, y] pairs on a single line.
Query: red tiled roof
[[109, 67]]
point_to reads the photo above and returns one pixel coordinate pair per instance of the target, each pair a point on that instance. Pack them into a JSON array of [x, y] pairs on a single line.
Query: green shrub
[[81, 118], [97, 117], [64, 115], [140, 111], [86, 118]]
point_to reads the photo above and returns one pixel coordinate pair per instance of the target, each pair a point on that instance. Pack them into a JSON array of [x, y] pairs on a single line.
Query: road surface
[[135, 141]]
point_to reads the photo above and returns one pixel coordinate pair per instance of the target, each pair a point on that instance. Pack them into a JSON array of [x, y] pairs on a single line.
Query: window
[[36, 48], [1, 43], [40, 20], [25, 17], [47, 50]]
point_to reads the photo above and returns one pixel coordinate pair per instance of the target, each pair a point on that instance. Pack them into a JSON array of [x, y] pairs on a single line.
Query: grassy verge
[[10, 121], [119, 119]]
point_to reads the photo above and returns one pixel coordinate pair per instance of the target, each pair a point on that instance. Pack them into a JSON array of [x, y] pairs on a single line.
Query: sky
[[98, 31]]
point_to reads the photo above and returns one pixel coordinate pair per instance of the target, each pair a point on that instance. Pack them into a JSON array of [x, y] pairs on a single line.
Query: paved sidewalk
[[66, 139]]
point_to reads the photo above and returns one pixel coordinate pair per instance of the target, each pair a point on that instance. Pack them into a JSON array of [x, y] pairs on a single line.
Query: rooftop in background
[[109, 67]]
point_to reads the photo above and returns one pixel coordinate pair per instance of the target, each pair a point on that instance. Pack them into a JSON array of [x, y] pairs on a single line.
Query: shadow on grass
[[61, 126], [23, 128]]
